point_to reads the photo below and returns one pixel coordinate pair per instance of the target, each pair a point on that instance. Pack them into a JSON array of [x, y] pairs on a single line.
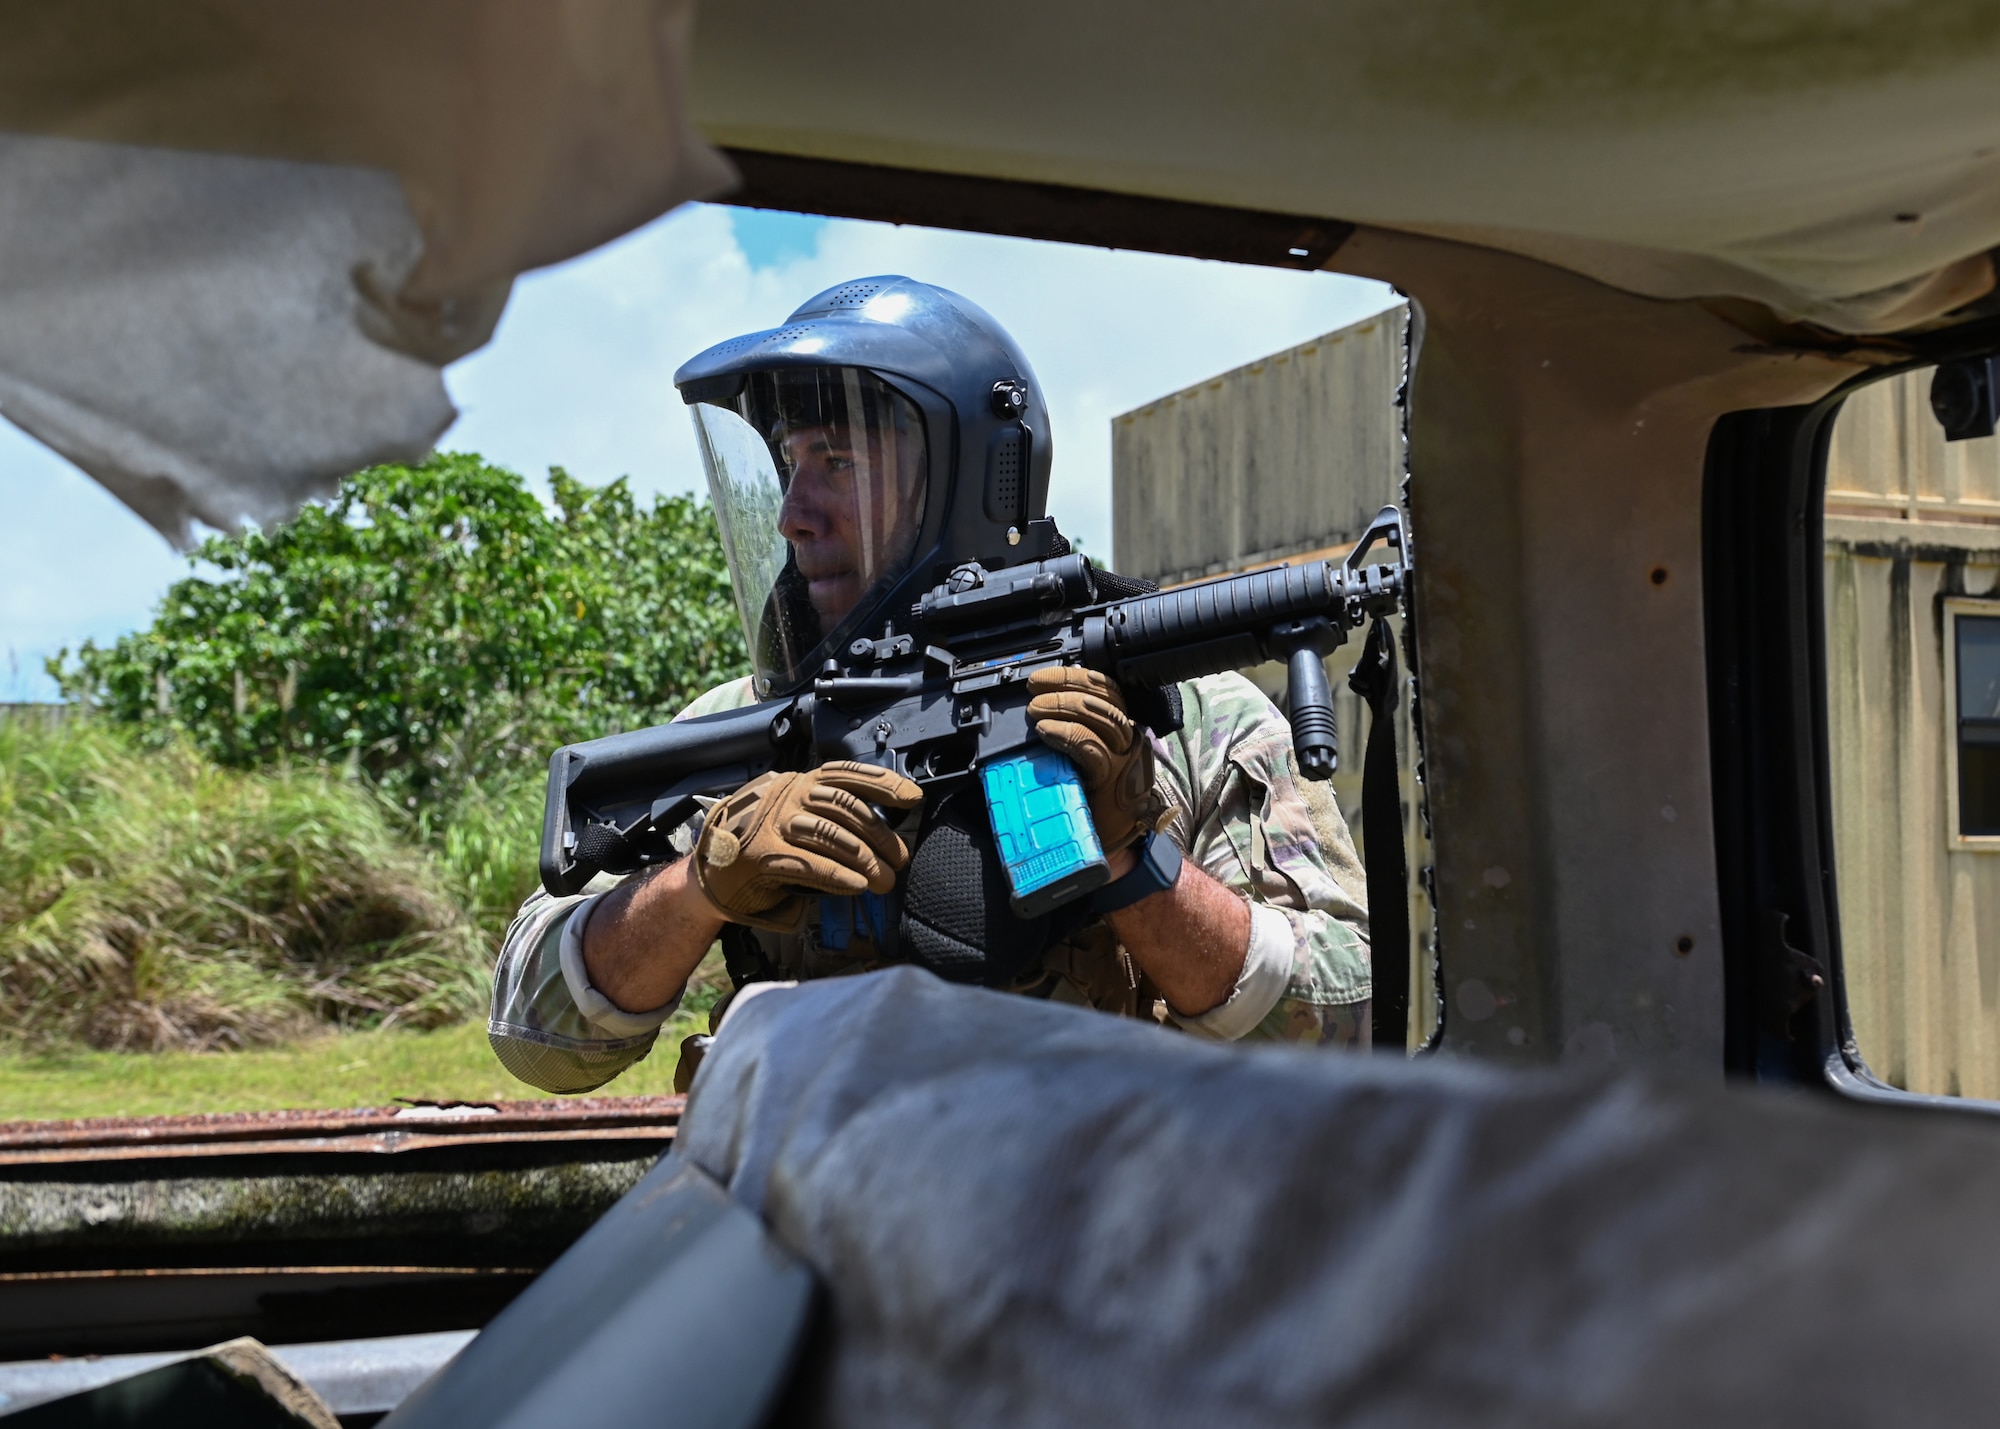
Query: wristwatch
[[1159, 865]]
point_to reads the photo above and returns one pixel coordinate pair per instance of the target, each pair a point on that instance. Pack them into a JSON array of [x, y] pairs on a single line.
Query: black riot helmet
[[886, 432]]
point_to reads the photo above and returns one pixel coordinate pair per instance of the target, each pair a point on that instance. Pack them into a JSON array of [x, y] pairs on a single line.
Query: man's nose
[[799, 514]]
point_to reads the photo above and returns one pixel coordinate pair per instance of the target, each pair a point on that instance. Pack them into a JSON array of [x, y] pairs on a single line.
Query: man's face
[[848, 511]]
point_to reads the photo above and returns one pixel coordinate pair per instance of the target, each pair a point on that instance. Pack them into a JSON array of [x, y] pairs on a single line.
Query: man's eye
[[838, 461]]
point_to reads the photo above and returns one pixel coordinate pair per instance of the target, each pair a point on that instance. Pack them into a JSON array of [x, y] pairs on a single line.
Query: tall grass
[[485, 823], [149, 899]]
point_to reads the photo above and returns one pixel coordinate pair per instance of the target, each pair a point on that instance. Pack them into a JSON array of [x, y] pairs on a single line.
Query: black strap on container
[[1375, 680]]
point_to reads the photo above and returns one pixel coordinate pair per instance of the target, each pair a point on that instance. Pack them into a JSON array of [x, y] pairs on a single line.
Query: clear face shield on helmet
[[818, 477]]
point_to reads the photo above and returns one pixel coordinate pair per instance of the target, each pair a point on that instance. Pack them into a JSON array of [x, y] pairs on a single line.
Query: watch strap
[[1159, 867]]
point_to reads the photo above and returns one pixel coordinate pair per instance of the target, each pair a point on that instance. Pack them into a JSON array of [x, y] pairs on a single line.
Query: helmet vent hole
[[787, 334], [1004, 482], [853, 295]]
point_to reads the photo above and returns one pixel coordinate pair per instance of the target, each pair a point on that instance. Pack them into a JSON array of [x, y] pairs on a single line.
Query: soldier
[[886, 431]]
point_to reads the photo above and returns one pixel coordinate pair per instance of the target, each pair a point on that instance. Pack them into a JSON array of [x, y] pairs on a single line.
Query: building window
[[1976, 651]]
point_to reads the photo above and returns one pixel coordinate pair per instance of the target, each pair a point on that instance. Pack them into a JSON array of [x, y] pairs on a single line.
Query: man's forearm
[[645, 937], [1191, 939]]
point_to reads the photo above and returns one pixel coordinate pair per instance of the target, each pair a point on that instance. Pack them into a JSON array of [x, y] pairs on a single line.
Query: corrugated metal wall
[[1289, 456], [1911, 521], [1890, 458], [1292, 453]]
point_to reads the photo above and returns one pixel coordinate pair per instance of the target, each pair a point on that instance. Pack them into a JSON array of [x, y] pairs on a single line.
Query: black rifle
[[947, 694]]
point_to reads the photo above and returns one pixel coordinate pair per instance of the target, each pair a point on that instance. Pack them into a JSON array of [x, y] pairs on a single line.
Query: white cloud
[[580, 375]]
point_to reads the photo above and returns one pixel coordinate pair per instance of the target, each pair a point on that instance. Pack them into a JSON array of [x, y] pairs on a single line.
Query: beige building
[[1286, 459], [1913, 690]]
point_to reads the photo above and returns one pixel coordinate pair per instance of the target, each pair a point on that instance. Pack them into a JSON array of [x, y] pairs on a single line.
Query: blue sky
[[579, 375]]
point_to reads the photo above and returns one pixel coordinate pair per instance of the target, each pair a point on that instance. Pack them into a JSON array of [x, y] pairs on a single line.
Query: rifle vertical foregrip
[[1311, 702]]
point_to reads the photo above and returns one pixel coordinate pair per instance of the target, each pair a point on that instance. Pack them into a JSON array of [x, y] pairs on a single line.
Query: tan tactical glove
[[1081, 713], [781, 833]]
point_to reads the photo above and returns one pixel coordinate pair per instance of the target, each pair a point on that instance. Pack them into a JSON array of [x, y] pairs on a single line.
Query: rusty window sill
[[375, 1130]]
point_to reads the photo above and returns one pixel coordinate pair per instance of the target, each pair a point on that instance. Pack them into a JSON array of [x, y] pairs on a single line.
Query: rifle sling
[[1375, 680]]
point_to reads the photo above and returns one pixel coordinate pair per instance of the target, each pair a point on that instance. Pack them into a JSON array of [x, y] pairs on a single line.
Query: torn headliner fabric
[[193, 334], [240, 240]]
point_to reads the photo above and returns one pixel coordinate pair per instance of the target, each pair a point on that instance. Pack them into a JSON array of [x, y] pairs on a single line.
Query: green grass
[[335, 1069], [177, 937]]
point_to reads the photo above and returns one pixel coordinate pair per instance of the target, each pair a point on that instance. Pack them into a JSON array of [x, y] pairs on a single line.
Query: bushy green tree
[[433, 627]]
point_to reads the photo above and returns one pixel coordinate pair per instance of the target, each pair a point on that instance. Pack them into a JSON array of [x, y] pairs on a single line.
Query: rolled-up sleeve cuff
[[597, 1009], [1267, 971]]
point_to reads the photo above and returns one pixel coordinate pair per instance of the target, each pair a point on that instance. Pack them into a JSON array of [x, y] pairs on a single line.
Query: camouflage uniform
[[1237, 809]]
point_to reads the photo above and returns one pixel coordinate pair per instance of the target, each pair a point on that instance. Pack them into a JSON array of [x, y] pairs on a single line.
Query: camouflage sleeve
[[548, 1025], [731, 695], [1245, 817]]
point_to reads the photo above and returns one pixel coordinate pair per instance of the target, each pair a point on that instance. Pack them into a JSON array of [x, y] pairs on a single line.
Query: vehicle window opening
[[427, 1208], [1911, 600], [1976, 648]]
